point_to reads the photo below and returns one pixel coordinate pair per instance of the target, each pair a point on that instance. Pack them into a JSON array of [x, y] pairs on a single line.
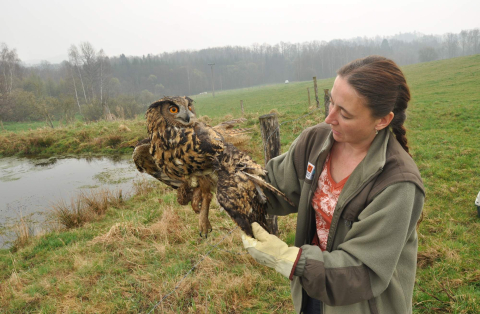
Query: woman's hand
[[270, 251]]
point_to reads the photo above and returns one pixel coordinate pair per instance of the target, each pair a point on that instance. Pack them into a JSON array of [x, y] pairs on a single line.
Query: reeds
[[22, 231], [85, 207]]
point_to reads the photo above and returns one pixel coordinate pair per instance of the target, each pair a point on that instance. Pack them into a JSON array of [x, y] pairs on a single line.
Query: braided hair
[[382, 84]]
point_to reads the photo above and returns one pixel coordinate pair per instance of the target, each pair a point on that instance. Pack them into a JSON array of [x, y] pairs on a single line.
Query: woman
[[359, 196]]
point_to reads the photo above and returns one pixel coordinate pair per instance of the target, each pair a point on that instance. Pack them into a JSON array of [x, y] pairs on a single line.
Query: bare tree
[[451, 45], [474, 40], [463, 41], [427, 54], [89, 58], [70, 69], [75, 60], [9, 63], [103, 73]]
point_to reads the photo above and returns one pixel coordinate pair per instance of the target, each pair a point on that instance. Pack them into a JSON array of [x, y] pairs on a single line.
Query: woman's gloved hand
[[270, 251]]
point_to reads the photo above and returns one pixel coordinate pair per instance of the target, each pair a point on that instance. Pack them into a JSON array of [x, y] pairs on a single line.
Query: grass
[[140, 251], [99, 138]]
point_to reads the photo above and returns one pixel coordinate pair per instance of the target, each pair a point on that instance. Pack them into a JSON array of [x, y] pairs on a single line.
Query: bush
[[126, 107], [92, 112]]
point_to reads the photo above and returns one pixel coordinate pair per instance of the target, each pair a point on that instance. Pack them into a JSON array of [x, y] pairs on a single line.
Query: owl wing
[[240, 199], [207, 140], [145, 163], [240, 188]]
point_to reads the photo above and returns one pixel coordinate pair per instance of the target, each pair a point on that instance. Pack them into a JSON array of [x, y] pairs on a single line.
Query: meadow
[[143, 255]]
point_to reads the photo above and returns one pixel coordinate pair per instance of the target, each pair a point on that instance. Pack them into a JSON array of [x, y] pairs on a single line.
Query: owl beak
[[184, 117]]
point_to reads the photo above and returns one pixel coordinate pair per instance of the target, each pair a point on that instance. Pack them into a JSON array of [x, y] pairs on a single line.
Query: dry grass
[[144, 186], [85, 207], [23, 231]]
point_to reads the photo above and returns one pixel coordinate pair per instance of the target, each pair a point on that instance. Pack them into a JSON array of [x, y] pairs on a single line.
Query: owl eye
[[173, 109], [190, 107]]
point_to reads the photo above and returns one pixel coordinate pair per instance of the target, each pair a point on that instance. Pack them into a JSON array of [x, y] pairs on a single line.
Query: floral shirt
[[323, 202]]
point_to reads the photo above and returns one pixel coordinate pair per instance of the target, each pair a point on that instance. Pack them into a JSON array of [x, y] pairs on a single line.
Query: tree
[[90, 68], [463, 41], [427, 54], [385, 47], [74, 57], [103, 73], [70, 69], [451, 45], [474, 40], [9, 64], [152, 80], [24, 106]]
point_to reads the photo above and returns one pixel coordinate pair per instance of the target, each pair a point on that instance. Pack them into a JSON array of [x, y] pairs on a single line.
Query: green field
[[137, 252]]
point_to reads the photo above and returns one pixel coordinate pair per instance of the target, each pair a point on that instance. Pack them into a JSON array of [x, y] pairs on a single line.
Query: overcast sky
[[45, 29]]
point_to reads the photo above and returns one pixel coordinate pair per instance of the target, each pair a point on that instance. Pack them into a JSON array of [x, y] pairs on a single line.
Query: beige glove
[[270, 251]]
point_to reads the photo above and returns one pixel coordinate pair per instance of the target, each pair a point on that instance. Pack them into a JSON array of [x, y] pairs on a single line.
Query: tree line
[[96, 86]]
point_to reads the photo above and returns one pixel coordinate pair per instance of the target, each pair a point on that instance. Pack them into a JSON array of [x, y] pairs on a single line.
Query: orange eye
[[190, 107], [173, 109]]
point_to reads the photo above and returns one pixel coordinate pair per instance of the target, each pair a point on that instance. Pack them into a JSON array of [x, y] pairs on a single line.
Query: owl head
[[176, 111]]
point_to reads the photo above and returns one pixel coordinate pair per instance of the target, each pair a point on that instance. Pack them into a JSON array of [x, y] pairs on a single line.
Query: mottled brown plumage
[[197, 160]]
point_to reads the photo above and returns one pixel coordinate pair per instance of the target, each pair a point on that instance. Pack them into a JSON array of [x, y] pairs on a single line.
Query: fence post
[[308, 91], [241, 105], [326, 101], [271, 143], [316, 90]]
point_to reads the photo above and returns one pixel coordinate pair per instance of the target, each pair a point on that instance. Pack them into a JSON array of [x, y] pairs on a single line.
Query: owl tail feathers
[[260, 182]]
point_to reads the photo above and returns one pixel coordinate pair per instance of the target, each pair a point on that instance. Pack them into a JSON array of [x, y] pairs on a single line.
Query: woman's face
[[350, 119]]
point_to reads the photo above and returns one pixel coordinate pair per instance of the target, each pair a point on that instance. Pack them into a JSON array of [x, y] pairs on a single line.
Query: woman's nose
[[330, 119]]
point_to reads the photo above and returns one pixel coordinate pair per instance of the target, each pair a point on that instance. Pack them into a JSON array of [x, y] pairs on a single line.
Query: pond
[[29, 186]]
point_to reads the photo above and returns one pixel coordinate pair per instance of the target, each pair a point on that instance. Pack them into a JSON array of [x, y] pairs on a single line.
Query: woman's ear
[[385, 121]]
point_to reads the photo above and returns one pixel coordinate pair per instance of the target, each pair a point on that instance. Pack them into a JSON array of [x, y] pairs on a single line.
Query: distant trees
[[473, 40], [451, 45], [99, 87], [427, 54], [9, 76]]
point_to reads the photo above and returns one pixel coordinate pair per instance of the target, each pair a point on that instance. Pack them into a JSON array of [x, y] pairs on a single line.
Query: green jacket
[[370, 262]]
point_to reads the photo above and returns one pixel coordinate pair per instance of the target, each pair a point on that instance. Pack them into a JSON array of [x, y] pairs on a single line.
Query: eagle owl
[[195, 158]]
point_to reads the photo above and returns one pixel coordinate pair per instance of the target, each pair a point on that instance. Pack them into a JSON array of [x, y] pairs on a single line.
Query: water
[[29, 186]]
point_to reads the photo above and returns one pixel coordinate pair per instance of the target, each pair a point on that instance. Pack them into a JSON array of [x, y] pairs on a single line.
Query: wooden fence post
[[271, 143], [241, 105], [316, 90], [308, 91], [326, 101]]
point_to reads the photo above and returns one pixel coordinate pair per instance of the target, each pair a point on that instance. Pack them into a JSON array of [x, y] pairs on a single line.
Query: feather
[[263, 183]]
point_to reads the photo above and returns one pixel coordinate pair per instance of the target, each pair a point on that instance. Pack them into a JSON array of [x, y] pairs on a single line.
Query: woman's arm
[[281, 174]]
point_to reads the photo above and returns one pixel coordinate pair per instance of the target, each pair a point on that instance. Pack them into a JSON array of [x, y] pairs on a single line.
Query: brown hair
[[382, 84]]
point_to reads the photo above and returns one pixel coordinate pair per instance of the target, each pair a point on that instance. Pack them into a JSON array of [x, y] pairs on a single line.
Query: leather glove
[[270, 251]]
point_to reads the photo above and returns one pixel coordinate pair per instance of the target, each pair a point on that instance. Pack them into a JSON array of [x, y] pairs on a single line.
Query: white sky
[[45, 29]]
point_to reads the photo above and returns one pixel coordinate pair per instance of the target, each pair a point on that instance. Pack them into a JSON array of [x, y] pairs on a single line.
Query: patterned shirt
[[323, 202]]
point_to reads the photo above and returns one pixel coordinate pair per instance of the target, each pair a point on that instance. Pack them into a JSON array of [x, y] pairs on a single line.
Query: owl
[[195, 158]]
